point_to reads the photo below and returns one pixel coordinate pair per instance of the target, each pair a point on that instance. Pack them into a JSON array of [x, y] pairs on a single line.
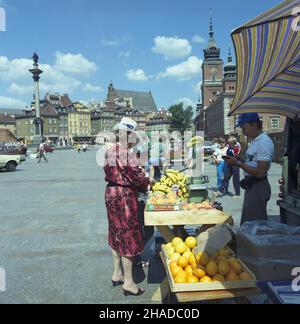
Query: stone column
[[36, 72]]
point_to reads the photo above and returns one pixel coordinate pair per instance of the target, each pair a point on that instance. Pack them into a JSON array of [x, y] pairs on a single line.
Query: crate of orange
[[188, 272]]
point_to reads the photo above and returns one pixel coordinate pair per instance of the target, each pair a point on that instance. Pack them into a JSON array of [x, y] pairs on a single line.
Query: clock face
[[213, 71]]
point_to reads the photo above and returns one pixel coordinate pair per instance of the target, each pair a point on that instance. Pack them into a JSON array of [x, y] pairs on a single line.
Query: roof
[[64, 100], [6, 136], [46, 111], [143, 101], [11, 112], [7, 119]]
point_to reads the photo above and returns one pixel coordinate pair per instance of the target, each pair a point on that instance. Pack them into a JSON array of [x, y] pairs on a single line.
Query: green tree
[[181, 117]]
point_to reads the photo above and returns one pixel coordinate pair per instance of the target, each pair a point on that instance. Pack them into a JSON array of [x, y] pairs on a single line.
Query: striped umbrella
[[268, 60]]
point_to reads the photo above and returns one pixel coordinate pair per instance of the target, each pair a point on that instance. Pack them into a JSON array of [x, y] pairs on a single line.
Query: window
[[275, 123], [50, 130]]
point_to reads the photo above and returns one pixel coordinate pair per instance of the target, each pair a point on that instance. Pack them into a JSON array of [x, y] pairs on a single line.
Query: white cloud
[[106, 42], [6, 102], [136, 75], [14, 70], [197, 87], [183, 71], [198, 39], [172, 47], [91, 88], [20, 90], [74, 63], [52, 80], [186, 102]]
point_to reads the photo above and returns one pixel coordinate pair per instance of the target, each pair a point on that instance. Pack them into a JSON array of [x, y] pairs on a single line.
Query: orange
[[211, 269], [175, 271], [206, 279], [224, 252], [191, 242], [223, 268], [176, 240], [232, 277], [232, 259], [236, 267], [180, 247], [192, 279], [218, 278], [182, 262], [221, 258], [199, 272], [202, 258], [245, 276]]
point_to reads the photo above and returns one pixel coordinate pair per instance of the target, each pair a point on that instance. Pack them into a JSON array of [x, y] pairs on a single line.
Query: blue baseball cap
[[246, 118]]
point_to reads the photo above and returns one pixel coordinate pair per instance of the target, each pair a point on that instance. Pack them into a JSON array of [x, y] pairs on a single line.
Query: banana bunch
[[171, 178], [197, 140]]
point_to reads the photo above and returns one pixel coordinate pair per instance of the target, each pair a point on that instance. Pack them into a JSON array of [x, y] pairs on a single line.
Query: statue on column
[[35, 58]]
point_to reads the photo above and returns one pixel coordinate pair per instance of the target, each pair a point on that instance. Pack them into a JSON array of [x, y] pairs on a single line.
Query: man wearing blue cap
[[259, 158]]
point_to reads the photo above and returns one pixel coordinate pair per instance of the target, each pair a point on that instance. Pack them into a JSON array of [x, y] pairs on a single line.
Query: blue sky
[[140, 45]]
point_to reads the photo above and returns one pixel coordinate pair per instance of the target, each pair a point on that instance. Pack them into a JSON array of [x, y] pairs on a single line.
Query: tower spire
[[229, 54], [211, 26]]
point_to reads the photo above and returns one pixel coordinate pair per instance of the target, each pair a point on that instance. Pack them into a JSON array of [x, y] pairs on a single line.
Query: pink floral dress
[[123, 176]]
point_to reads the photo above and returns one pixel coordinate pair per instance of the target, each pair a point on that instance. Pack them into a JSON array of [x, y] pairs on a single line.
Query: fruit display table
[[162, 220], [164, 293]]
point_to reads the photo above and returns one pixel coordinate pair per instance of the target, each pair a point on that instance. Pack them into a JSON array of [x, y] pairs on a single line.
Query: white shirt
[[261, 149], [220, 152]]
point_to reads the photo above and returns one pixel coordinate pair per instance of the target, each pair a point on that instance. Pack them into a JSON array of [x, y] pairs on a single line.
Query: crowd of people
[[223, 148]]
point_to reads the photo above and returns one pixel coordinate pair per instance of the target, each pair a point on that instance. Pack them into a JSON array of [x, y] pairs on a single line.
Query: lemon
[[176, 240], [206, 279], [182, 262], [180, 247], [191, 242]]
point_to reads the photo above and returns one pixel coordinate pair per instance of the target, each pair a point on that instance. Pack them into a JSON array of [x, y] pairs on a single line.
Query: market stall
[[175, 202]]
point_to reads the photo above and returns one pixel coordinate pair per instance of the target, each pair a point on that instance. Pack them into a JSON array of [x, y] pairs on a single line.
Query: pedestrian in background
[[78, 147], [42, 152], [219, 162], [231, 171]]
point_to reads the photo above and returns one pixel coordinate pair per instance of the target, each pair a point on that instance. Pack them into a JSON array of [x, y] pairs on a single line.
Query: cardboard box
[[269, 257]]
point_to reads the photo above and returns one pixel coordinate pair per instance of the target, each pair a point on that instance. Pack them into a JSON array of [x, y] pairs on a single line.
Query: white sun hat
[[126, 124]]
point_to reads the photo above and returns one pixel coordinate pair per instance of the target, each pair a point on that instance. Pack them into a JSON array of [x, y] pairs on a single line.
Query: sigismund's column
[[36, 72]]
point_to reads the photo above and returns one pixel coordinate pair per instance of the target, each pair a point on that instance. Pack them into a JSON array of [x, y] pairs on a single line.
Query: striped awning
[[268, 63]]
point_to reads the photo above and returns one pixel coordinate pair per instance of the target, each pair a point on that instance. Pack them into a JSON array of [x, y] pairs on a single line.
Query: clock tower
[[212, 70]]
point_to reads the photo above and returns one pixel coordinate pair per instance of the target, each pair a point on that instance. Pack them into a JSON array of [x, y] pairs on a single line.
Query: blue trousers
[[220, 173]]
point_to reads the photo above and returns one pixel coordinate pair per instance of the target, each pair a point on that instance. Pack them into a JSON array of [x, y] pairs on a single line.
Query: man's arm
[[259, 172]]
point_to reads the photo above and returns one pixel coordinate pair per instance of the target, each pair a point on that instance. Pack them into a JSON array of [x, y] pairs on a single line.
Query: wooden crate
[[186, 217], [226, 285]]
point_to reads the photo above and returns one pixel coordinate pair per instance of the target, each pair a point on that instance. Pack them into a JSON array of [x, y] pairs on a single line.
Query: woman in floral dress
[[124, 177]]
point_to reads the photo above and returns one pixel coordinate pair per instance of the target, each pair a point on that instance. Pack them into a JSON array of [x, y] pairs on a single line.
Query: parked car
[[208, 151], [9, 162]]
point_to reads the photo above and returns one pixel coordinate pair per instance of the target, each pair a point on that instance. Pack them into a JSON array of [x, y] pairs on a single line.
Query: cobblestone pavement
[[53, 234]]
